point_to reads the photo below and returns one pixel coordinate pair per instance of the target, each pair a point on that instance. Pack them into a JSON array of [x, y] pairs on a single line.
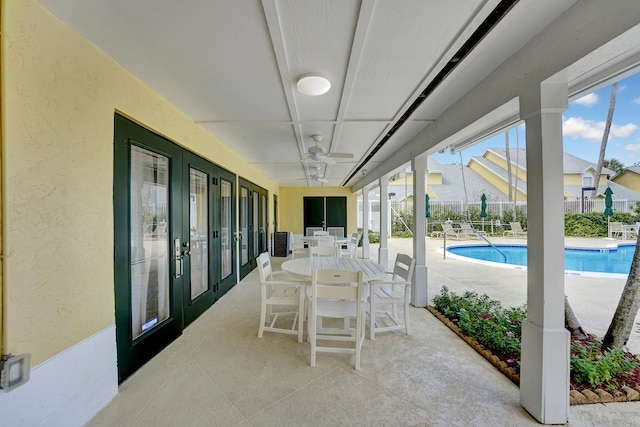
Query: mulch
[[579, 393]]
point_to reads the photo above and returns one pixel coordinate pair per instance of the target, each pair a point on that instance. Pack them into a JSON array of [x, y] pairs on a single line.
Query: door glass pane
[[199, 231], [263, 222], [244, 223], [225, 225], [150, 250], [254, 217]]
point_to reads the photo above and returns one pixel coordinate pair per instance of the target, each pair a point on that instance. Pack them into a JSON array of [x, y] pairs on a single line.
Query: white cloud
[[587, 100], [577, 127], [632, 147], [636, 101]]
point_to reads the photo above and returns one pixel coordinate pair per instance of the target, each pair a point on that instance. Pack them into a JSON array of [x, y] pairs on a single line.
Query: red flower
[[485, 316]]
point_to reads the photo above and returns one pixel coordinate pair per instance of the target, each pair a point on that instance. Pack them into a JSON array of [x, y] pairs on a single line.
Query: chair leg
[[263, 315], [301, 313], [407, 324], [312, 339], [372, 312]]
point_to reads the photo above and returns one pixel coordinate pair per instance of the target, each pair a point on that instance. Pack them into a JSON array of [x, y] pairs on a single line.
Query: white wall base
[[67, 390]]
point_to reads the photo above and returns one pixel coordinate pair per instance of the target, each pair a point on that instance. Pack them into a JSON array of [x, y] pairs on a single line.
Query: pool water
[[609, 260]]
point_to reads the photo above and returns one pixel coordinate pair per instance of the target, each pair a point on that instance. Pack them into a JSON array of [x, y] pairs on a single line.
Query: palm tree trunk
[[622, 323], [571, 322], [605, 138], [507, 156]]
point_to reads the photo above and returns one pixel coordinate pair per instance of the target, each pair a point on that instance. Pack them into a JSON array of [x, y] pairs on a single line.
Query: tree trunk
[[622, 323], [605, 138], [571, 322], [507, 156]]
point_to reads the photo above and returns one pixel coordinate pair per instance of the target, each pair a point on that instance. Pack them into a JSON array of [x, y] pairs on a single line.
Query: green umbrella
[[426, 204], [608, 211], [608, 202], [483, 209]]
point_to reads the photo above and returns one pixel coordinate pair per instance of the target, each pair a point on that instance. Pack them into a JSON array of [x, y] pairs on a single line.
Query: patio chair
[[446, 226], [516, 230], [326, 240], [323, 250], [298, 247], [288, 293], [336, 294], [348, 250], [616, 229], [467, 231], [387, 294], [320, 233]]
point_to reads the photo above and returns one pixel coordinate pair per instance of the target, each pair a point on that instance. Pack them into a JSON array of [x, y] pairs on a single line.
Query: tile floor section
[[218, 373]]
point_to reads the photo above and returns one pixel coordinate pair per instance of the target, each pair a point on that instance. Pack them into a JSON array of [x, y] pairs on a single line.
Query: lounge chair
[[467, 231], [516, 230], [616, 229], [446, 226]]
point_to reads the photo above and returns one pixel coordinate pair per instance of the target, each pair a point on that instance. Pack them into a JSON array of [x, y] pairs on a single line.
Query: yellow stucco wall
[[629, 179], [59, 98], [291, 208]]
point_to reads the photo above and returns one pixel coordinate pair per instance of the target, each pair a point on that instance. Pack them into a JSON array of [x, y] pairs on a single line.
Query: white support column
[[366, 209], [419, 297], [544, 373], [383, 251]]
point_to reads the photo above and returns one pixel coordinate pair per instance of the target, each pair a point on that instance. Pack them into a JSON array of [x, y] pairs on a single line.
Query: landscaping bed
[[597, 376]]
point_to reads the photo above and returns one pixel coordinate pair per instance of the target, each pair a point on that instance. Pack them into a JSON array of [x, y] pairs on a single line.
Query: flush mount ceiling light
[[313, 84]]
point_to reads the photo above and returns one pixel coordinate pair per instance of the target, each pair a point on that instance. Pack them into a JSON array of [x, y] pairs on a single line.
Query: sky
[[583, 127]]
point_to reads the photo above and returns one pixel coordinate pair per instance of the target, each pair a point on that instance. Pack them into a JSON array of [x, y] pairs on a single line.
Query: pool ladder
[[474, 231]]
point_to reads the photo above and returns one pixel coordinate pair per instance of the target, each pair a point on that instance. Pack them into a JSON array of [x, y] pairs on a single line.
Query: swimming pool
[[610, 260]]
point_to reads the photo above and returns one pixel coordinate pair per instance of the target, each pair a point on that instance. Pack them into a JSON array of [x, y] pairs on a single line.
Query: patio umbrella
[[483, 209], [608, 211], [426, 204], [427, 214]]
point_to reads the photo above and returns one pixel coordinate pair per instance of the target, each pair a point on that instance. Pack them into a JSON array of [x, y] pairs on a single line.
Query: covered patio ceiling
[[396, 68]]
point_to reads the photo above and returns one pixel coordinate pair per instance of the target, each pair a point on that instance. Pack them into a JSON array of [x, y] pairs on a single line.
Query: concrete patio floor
[[218, 373]]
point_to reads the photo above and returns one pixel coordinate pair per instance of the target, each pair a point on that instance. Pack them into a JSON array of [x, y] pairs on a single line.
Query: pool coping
[[440, 250]]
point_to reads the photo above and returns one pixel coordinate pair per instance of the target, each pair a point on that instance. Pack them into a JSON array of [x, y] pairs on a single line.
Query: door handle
[[177, 257]]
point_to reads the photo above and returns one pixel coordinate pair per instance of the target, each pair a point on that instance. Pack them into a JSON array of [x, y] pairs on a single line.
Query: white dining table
[[303, 267]]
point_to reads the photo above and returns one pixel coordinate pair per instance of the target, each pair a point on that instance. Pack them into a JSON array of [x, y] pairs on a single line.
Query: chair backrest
[[516, 227], [264, 267], [320, 233], [616, 226], [446, 226], [403, 267], [326, 240], [323, 250], [336, 284], [466, 226], [296, 241]]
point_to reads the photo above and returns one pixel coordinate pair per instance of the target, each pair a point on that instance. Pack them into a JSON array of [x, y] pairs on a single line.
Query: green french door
[[325, 213], [169, 207], [253, 224]]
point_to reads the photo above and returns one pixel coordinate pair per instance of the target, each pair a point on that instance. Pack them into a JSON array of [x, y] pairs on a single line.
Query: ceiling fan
[[318, 154], [316, 175]]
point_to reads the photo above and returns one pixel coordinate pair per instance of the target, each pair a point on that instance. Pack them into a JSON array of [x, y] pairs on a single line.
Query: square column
[[365, 222], [385, 232], [544, 373], [419, 297]]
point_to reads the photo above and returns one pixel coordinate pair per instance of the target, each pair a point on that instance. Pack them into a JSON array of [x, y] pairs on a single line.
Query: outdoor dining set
[[335, 291]]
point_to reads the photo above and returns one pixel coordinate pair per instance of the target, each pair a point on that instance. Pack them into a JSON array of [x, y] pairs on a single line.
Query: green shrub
[[486, 320], [589, 364], [499, 330]]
